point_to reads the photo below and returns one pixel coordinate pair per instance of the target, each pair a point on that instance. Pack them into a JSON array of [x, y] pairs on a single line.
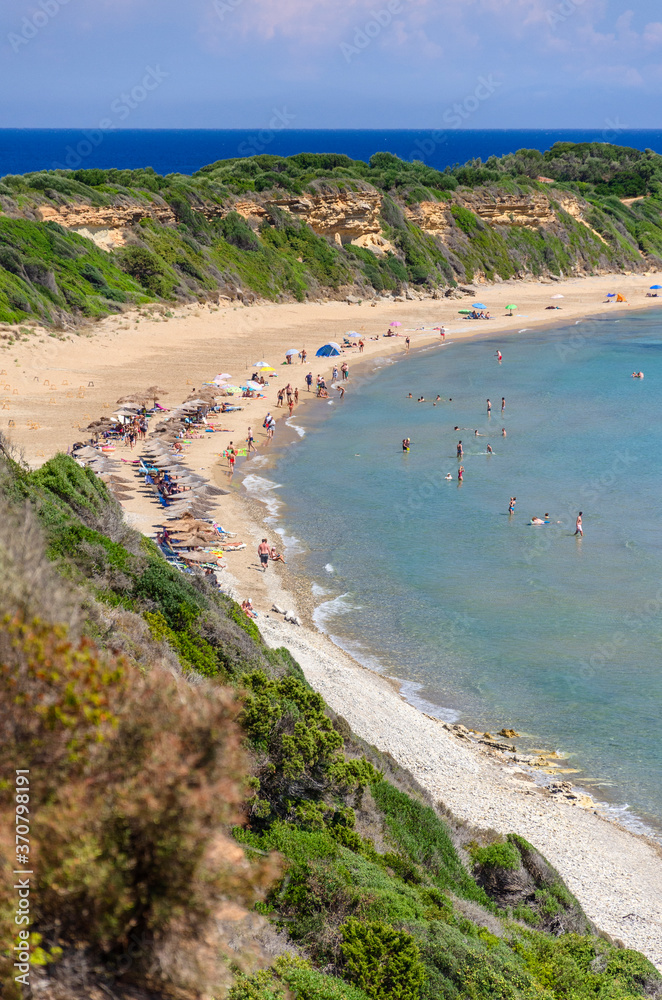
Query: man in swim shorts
[[579, 530], [460, 449], [263, 552], [405, 444]]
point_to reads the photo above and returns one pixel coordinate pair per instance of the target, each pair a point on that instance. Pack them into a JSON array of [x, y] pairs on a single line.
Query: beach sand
[[54, 386]]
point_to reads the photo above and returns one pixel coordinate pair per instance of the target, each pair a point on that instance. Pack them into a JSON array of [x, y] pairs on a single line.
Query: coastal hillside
[[202, 825], [76, 245]]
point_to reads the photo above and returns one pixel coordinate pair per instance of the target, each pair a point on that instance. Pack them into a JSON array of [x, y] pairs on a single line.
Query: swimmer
[[448, 476], [503, 432], [478, 434], [489, 450], [422, 399], [537, 520], [437, 399], [409, 396]]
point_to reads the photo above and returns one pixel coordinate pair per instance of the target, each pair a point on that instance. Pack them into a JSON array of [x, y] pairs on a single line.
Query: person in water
[[579, 530], [406, 442], [503, 404], [511, 505], [460, 449], [460, 474], [489, 408], [489, 450], [498, 356], [503, 432]]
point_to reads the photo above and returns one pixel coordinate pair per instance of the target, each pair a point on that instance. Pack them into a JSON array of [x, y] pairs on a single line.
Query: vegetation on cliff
[[202, 823], [187, 240]]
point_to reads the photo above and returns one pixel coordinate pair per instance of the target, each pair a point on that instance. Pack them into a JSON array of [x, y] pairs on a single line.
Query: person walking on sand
[[281, 396], [250, 441], [296, 395], [264, 552], [407, 343], [460, 449], [309, 380], [288, 391], [290, 405], [489, 408], [232, 455], [304, 355], [503, 405], [579, 530]]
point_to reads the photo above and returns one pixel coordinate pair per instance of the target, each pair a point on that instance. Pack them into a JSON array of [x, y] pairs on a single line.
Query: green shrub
[[383, 962], [497, 855]]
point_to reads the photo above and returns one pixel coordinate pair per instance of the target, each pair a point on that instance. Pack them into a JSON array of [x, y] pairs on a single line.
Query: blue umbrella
[[479, 305], [610, 295], [656, 286]]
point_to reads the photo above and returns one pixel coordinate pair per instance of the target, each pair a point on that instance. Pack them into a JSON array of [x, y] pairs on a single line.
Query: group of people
[[266, 553]]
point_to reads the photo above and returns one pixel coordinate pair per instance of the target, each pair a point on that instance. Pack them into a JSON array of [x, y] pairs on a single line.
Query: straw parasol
[[199, 557], [154, 392]]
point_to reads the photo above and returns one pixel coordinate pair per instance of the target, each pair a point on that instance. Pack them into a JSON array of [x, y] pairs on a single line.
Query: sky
[[331, 63]]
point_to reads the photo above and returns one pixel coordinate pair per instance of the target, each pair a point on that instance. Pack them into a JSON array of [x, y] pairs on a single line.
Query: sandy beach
[[51, 387]]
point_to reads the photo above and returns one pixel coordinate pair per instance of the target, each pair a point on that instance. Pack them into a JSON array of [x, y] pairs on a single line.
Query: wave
[[301, 431], [330, 609], [262, 489], [357, 651], [292, 545], [409, 689], [319, 591], [329, 568]]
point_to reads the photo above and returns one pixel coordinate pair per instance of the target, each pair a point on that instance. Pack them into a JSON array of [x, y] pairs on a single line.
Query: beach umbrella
[[232, 389], [254, 386], [557, 296], [511, 307], [611, 295], [328, 350], [221, 377], [464, 311], [263, 365], [290, 353], [395, 322], [199, 557], [479, 305], [656, 286]]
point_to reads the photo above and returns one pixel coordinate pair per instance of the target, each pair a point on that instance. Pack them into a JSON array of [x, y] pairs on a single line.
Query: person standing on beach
[[579, 530], [503, 404], [334, 377], [263, 552], [407, 343], [296, 395], [250, 442], [288, 392], [281, 396], [489, 408], [460, 449], [361, 346], [309, 380], [232, 455], [304, 355], [290, 404], [344, 368]]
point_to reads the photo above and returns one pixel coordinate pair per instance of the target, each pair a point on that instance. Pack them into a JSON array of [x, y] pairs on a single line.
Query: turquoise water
[[490, 619]]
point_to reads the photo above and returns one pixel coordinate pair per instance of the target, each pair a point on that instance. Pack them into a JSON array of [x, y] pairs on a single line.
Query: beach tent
[[329, 350], [621, 298]]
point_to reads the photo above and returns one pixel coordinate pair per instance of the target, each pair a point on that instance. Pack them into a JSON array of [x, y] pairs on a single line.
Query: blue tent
[[328, 351]]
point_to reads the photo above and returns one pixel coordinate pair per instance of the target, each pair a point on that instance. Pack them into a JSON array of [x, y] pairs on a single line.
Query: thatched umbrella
[[154, 392], [199, 557]]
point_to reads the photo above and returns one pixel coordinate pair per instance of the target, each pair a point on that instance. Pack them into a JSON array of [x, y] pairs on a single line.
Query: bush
[[382, 961], [143, 265]]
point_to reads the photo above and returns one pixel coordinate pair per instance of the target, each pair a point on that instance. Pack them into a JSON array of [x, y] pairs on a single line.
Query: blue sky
[[331, 63]]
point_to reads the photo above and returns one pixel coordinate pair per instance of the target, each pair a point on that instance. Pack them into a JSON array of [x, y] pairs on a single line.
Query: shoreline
[[614, 872]]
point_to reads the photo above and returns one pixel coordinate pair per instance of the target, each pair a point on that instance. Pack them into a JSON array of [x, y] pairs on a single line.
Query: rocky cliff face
[[498, 209], [343, 216], [107, 226]]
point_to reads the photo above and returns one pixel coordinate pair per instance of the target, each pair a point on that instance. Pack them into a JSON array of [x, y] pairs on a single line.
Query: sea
[[184, 151], [485, 618]]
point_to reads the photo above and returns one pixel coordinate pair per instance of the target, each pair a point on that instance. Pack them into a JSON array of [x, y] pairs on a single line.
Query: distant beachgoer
[[489, 408], [448, 476], [460, 474], [344, 368], [489, 450], [334, 377], [499, 356], [247, 608], [281, 397], [407, 342], [276, 556], [406, 442], [442, 333], [341, 390], [304, 355], [511, 505], [263, 551], [288, 391], [503, 404], [250, 442], [290, 405], [460, 449], [296, 395], [421, 399], [409, 396], [361, 346], [478, 434], [579, 530], [309, 380], [503, 432]]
